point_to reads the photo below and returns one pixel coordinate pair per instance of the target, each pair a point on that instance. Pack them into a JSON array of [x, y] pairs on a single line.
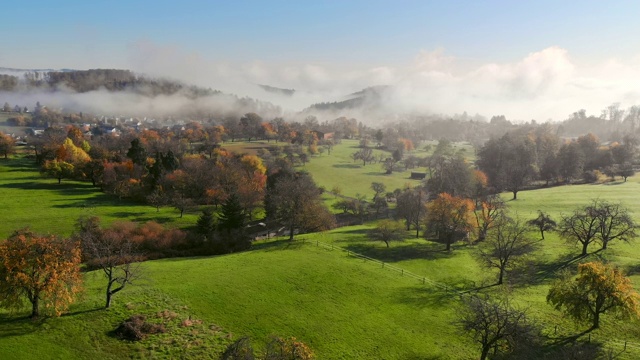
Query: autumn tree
[[543, 223], [113, 252], [495, 325], [505, 247], [42, 269], [387, 231], [489, 212], [597, 289], [7, 145], [450, 218]]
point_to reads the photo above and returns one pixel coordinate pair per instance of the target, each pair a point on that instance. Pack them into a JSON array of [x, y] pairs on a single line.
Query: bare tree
[[543, 223], [116, 255], [614, 223], [495, 325], [581, 227], [507, 243]]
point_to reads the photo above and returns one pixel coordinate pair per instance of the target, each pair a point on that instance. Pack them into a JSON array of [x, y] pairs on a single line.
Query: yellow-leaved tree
[[450, 218], [598, 288], [44, 270]]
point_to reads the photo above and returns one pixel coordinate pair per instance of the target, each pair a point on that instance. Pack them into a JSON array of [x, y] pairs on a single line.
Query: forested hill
[[370, 97], [125, 91], [95, 79]]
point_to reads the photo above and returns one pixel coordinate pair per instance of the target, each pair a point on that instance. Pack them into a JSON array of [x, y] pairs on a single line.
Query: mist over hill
[[122, 92]]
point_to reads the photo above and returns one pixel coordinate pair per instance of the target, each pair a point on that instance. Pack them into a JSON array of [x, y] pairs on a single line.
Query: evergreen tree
[[137, 153], [206, 223], [170, 161], [232, 215]]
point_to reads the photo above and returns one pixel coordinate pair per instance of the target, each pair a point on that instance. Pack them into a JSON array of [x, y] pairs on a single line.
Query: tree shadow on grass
[[63, 188], [17, 325], [539, 272], [284, 244], [347, 166], [157, 219], [424, 297], [425, 251]]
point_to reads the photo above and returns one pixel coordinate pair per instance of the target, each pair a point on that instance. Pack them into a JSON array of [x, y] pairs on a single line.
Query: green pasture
[[341, 307], [29, 199]]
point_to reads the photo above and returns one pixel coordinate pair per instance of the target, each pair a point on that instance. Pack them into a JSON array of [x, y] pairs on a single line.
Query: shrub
[[136, 328]]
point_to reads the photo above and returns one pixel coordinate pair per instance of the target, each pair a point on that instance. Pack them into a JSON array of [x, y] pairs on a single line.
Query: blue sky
[[319, 42]]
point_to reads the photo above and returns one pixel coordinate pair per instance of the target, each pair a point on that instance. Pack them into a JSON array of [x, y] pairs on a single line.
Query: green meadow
[[341, 305], [29, 199]]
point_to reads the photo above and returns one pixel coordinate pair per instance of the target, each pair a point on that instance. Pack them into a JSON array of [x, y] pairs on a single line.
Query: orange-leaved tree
[[450, 218], [43, 269], [599, 288]]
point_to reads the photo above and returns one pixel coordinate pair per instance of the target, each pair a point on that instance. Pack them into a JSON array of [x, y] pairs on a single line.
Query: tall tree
[[298, 204], [42, 269], [411, 205], [597, 289], [232, 215], [137, 152]]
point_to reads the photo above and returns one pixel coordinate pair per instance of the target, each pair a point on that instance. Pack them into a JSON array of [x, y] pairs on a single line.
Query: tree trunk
[[35, 308], [108, 303], [604, 245], [542, 233], [515, 194], [596, 320], [485, 352], [584, 248], [448, 248], [386, 242], [291, 232], [501, 276], [59, 180]]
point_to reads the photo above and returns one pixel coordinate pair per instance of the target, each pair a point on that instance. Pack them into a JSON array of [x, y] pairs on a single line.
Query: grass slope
[[28, 199], [340, 306]]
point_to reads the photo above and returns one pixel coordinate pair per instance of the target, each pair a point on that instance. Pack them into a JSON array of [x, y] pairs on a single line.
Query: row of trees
[[513, 161]]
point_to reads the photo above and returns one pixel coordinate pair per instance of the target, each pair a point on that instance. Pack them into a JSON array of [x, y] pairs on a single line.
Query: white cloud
[[544, 84]]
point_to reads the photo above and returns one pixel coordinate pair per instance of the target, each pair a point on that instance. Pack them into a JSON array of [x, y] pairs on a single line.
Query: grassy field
[[340, 305], [28, 199]]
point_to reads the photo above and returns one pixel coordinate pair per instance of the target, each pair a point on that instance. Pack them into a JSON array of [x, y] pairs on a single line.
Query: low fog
[[547, 84], [543, 85]]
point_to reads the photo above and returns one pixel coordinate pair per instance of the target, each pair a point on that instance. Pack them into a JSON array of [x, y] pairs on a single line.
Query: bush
[[136, 328], [593, 176]]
